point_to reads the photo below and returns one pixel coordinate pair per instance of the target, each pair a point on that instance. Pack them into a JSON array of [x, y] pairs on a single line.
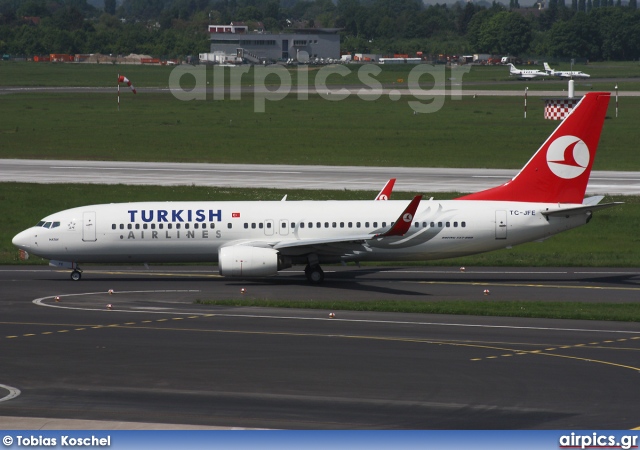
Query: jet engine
[[247, 261]]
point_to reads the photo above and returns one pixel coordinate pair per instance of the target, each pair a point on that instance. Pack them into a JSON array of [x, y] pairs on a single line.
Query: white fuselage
[[195, 231]]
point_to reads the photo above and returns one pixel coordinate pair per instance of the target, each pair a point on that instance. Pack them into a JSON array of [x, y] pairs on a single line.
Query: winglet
[[403, 223], [385, 193]]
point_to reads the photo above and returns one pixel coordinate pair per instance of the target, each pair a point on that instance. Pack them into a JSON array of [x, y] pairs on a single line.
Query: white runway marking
[[13, 393]]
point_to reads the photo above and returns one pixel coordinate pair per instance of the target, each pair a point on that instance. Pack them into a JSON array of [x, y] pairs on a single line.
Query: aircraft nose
[[23, 240]]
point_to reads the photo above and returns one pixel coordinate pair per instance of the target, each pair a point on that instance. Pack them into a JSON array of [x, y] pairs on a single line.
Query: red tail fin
[[559, 171]]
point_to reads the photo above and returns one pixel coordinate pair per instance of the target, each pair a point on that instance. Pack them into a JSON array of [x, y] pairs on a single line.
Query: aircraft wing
[[339, 245]]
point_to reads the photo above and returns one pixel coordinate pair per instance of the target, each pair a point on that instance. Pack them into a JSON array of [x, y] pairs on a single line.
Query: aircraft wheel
[[315, 275], [76, 275]]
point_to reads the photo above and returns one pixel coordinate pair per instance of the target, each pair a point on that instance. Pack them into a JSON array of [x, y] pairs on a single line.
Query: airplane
[[565, 73], [525, 73], [260, 238]]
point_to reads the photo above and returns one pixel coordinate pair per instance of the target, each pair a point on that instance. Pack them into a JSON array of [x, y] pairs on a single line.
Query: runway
[[156, 356], [409, 179]]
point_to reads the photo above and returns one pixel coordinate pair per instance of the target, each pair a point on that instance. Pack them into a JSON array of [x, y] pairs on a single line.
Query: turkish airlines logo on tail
[[568, 157]]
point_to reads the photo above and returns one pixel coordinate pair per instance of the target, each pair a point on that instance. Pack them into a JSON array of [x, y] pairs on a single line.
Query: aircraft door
[[268, 227], [501, 224], [89, 226], [284, 227]]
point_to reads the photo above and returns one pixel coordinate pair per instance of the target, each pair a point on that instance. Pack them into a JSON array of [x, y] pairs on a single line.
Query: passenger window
[[326, 224], [384, 224], [357, 224], [137, 226], [268, 224], [253, 226], [212, 226], [283, 225], [144, 226], [417, 224], [129, 226], [261, 225], [375, 224], [341, 224], [448, 224], [301, 225], [186, 226], [246, 226], [229, 225], [177, 226], [195, 225], [334, 224], [113, 226], [463, 224], [318, 225], [433, 224], [439, 224], [169, 226], [350, 224], [122, 226], [160, 226], [153, 226], [455, 224]]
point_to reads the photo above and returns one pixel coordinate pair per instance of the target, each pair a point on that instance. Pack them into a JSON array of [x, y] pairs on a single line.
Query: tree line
[[587, 29]]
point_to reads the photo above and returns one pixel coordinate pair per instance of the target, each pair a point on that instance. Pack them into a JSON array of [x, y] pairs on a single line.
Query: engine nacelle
[[247, 261]]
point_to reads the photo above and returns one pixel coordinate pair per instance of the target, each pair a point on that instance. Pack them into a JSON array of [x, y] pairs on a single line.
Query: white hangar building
[[258, 46]]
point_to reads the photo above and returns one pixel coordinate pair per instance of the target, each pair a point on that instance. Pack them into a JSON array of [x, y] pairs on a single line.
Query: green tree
[[110, 6], [505, 33]]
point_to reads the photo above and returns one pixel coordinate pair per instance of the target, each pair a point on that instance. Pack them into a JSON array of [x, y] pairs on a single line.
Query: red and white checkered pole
[[616, 100], [118, 92], [525, 102]]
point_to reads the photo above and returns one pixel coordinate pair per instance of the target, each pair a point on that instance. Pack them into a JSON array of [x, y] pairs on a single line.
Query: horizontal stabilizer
[[566, 212]]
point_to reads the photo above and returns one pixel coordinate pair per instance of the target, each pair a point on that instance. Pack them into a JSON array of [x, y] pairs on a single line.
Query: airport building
[[259, 46]]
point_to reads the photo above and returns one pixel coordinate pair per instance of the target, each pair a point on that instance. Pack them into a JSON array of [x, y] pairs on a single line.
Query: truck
[[481, 57]]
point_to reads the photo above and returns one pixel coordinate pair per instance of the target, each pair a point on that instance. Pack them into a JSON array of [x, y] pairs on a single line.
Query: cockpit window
[[40, 223], [55, 225], [47, 225]]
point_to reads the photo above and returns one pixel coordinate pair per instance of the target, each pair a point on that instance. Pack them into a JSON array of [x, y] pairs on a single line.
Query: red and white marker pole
[[118, 92], [525, 102]]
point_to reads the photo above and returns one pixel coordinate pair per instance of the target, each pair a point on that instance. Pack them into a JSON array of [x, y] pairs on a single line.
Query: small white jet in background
[[525, 73], [565, 73]]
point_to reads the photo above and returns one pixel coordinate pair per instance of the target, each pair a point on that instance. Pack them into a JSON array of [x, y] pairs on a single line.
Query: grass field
[[610, 239], [104, 75], [623, 312], [482, 132]]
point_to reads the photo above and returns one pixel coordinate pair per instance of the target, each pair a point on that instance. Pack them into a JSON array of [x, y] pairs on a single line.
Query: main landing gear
[[76, 274], [314, 273]]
